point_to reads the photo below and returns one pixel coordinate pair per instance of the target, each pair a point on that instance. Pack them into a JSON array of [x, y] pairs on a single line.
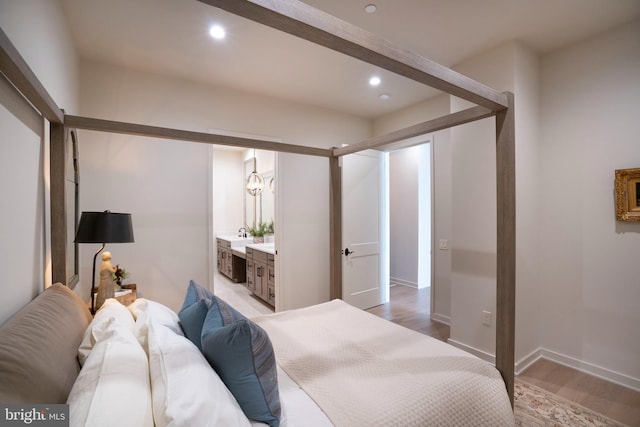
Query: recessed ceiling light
[[217, 32], [384, 96], [370, 8], [374, 81]]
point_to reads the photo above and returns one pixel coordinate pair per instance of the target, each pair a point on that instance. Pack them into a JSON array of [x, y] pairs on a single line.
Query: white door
[[362, 225]]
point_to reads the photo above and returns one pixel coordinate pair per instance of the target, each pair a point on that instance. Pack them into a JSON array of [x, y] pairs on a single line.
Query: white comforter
[[365, 371]]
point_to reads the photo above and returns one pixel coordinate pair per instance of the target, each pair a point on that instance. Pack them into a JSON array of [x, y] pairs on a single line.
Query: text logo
[[54, 415]]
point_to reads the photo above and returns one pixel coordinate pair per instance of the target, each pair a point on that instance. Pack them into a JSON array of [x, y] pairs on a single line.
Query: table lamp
[[103, 227]]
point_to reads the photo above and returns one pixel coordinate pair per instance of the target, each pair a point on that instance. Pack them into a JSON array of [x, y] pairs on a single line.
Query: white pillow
[[145, 312], [113, 388], [110, 310], [155, 312], [186, 391]]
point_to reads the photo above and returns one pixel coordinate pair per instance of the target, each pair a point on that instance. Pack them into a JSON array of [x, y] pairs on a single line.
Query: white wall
[[22, 245], [403, 216], [166, 184], [527, 111], [302, 231], [410, 215], [589, 278], [473, 238], [37, 30], [441, 286], [511, 66]]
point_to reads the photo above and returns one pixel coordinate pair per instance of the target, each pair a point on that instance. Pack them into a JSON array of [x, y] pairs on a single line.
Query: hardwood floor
[[612, 400], [410, 307]]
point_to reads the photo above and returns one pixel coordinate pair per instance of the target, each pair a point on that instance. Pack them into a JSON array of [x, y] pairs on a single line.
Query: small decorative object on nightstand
[[106, 286], [128, 294], [118, 276]]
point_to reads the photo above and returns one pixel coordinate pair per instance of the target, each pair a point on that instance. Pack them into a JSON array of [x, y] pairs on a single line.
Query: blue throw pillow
[[195, 293], [194, 311], [242, 355], [192, 320], [220, 314]]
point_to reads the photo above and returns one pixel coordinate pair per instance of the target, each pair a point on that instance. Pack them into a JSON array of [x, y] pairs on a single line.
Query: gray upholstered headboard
[[38, 348]]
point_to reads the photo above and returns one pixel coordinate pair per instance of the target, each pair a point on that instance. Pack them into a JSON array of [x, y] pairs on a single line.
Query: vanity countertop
[[234, 241], [263, 247]]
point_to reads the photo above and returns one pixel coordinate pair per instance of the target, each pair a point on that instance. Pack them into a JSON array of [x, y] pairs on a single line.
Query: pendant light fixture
[[255, 181]]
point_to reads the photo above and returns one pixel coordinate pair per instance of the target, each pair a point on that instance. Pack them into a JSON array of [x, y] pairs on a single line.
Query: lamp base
[[105, 291]]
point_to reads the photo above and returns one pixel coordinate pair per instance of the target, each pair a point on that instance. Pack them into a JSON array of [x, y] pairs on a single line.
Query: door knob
[[347, 252]]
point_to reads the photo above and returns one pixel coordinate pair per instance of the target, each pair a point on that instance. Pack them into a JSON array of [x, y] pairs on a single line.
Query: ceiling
[[171, 37]]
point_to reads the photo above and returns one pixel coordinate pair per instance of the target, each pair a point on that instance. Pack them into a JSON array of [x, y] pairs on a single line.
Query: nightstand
[[130, 297]]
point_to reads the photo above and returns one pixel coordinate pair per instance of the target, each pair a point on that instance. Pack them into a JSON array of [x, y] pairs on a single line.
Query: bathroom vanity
[[260, 271], [241, 260], [231, 260]]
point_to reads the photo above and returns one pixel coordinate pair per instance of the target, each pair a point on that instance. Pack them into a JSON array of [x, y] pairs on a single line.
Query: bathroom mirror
[[267, 198], [250, 202]]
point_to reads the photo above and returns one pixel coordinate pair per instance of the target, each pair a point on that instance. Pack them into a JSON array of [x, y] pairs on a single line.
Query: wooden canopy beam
[[15, 68], [386, 141], [184, 135], [506, 245], [301, 20], [335, 228]]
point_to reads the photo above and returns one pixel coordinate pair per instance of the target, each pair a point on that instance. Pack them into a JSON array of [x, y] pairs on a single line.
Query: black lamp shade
[[104, 227]]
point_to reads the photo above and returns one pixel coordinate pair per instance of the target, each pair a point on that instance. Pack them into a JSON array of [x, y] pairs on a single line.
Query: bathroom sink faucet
[[242, 232]]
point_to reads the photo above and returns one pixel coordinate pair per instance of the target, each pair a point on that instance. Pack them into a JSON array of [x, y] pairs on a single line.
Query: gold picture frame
[[628, 194]]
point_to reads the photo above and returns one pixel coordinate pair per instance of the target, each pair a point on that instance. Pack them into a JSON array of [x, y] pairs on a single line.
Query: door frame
[[335, 209]]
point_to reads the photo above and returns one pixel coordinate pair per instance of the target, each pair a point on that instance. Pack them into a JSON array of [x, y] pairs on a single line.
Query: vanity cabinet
[[251, 270], [229, 264], [271, 280], [261, 274]]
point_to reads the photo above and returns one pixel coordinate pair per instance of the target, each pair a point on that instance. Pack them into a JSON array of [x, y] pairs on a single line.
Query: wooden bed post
[[506, 244], [335, 224], [58, 207]]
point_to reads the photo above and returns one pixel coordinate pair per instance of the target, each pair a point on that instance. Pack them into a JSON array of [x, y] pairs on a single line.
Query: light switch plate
[[486, 318]]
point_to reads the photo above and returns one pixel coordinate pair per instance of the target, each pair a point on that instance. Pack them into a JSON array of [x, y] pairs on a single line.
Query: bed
[[301, 20], [325, 365]]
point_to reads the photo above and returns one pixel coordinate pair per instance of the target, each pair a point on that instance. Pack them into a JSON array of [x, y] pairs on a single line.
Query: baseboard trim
[[396, 281], [571, 362], [527, 361], [586, 367], [475, 351], [441, 318]]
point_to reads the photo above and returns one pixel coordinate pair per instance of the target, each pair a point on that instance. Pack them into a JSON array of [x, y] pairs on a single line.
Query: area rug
[[535, 407]]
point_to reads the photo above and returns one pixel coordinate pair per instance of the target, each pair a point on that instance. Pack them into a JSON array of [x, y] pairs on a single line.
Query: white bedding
[[337, 366], [298, 409], [365, 371]]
